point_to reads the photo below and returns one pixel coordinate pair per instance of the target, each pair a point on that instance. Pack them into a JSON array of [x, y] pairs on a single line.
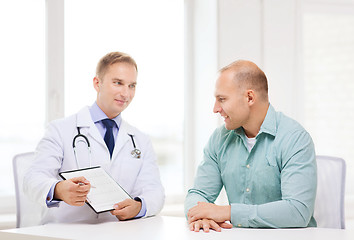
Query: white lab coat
[[139, 177]]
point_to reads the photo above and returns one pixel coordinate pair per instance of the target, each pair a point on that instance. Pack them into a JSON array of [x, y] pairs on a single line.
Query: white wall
[[265, 33]]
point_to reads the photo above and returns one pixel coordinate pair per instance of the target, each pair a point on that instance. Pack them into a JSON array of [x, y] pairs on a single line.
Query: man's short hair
[[112, 58], [248, 75]]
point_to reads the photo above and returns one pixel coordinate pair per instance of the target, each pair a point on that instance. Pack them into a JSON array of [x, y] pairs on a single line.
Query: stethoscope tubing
[[136, 153], [88, 146]]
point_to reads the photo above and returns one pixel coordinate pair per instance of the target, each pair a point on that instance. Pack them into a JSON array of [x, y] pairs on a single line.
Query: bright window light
[[152, 33], [22, 71]]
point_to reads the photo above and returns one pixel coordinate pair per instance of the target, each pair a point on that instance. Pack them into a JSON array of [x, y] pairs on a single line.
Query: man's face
[[231, 101], [116, 89]]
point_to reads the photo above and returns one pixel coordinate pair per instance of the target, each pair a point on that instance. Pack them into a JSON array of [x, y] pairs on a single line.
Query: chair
[[28, 212], [329, 204]]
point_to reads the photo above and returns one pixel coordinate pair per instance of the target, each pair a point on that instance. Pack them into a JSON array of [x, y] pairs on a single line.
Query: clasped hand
[[209, 216]]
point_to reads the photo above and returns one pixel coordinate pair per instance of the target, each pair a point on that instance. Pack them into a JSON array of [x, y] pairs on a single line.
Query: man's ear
[[251, 97], [96, 83]]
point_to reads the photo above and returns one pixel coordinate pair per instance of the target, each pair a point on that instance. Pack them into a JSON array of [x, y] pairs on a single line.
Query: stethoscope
[[136, 153]]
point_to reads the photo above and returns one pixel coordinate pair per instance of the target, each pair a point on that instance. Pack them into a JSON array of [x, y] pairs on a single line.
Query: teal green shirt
[[273, 186]]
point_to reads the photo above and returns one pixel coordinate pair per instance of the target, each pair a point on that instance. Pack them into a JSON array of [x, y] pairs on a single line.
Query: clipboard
[[104, 192]]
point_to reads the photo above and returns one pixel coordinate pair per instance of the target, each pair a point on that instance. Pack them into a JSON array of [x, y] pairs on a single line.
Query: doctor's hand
[[72, 191], [210, 211], [126, 209], [207, 224]]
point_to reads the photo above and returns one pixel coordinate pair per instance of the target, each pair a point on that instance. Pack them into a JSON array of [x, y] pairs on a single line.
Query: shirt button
[[247, 189], [239, 225], [248, 166]]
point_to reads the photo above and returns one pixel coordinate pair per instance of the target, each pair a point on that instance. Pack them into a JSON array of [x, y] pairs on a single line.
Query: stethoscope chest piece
[[136, 153]]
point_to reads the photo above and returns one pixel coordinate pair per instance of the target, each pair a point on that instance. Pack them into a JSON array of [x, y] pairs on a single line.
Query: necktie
[[108, 137]]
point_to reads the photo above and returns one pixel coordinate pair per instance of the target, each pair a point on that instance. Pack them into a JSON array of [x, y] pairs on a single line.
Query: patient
[[264, 159]]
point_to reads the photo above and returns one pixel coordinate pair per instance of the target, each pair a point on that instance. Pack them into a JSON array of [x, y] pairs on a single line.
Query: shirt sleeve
[[208, 183], [42, 175], [143, 207], [298, 188], [50, 201]]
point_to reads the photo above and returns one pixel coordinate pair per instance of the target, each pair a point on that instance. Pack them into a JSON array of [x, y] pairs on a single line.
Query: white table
[[163, 227]]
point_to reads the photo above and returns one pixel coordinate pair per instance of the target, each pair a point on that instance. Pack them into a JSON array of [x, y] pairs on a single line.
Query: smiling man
[[265, 161], [97, 136]]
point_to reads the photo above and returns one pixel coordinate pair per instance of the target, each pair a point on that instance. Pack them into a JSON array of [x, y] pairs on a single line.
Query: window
[[154, 38], [23, 70]]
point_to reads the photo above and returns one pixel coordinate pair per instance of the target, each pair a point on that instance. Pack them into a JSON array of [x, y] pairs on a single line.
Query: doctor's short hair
[[112, 58]]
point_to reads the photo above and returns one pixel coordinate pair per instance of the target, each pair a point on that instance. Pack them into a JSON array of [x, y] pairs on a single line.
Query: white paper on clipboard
[[104, 192]]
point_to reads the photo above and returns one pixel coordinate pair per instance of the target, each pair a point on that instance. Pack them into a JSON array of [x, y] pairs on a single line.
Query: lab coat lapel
[[84, 120], [122, 138]]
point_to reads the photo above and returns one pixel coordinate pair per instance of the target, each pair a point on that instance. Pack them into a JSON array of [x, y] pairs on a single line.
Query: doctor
[[122, 150]]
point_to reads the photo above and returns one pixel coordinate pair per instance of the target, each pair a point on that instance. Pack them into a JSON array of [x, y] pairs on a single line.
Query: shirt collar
[[268, 126], [97, 115]]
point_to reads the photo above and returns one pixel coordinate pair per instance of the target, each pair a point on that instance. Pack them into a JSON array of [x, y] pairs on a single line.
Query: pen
[[82, 184]]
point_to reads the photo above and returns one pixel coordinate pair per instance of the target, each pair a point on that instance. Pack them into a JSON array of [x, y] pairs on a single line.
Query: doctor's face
[[231, 101], [116, 89]]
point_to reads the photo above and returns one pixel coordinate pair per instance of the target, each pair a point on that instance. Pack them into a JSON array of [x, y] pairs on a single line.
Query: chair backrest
[[28, 212], [329, 205]]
